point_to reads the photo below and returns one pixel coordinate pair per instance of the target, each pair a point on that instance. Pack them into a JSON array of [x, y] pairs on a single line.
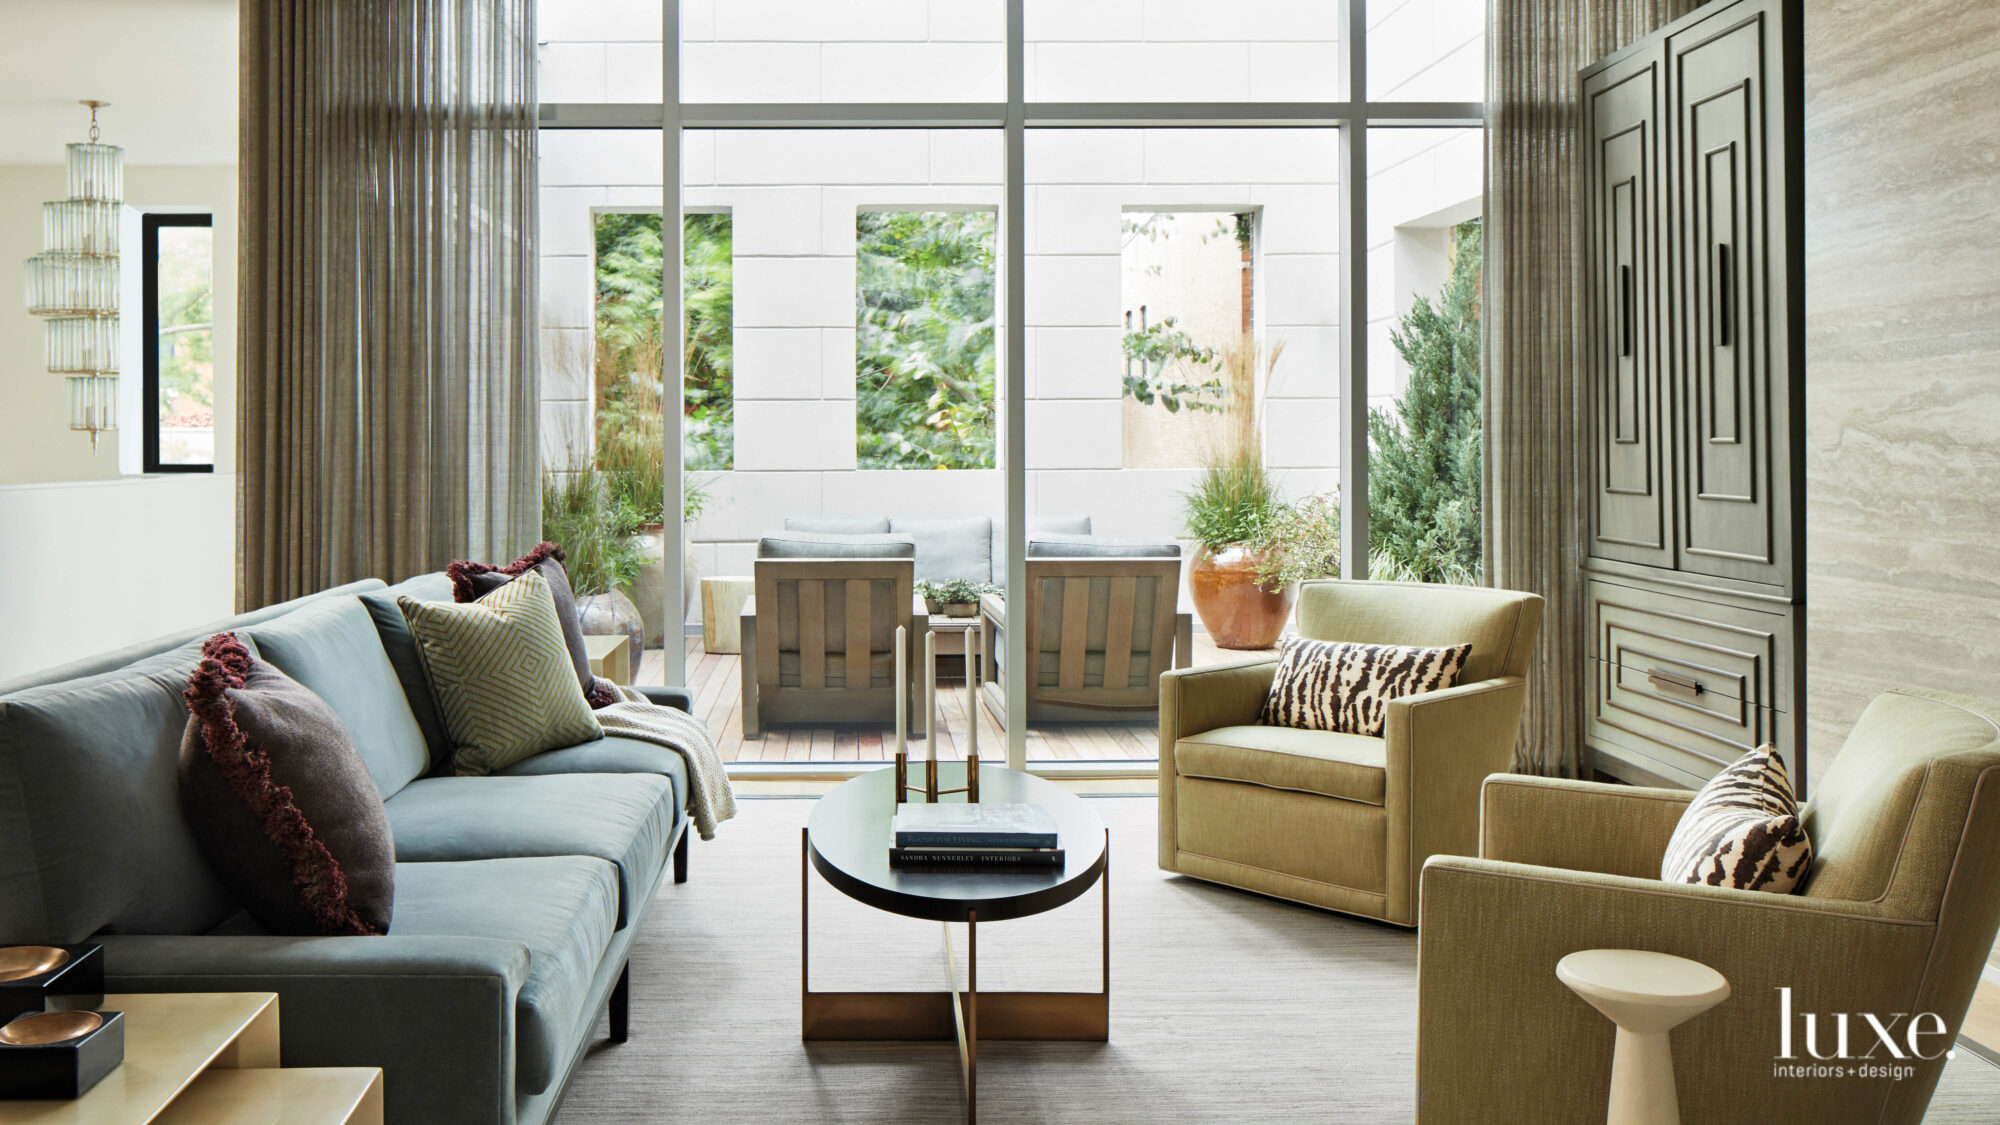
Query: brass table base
[[965, 1017]]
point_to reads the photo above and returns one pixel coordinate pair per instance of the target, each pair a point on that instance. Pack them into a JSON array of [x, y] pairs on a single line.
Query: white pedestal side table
[[1647, 995]]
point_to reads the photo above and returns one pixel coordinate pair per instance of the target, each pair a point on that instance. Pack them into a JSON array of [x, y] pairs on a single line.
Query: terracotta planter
[[1236, 611]]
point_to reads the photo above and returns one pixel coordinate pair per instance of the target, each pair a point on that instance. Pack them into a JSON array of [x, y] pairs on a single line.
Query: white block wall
[[794, 196]]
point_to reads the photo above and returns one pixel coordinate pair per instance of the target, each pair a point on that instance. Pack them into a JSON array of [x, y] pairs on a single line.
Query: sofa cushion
[[1052, 546], [501, 674], [814, 545], [281, 801], [627, 819], [838, 525], [334, 648], [401, 647], [562, 908], [91, 831], [610, 754], [950, 549], [1348, 766]]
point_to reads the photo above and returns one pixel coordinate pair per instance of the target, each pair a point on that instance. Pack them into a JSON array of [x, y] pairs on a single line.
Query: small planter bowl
[[961, 609]]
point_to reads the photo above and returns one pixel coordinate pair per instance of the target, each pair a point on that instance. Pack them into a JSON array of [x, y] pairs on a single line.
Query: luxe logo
[[1859, 1044]]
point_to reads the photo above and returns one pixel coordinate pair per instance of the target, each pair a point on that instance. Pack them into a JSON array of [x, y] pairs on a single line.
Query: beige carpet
[[1224, 1006]]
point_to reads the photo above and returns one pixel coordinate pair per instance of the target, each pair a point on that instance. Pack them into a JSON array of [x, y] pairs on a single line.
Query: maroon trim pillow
[[279, 800], [471, 581]]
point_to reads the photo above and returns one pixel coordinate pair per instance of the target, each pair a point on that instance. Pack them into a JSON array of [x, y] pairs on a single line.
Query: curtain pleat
[[388, 391], [1533, 514]]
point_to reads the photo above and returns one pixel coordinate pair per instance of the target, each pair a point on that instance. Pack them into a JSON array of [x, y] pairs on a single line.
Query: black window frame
[[149, 259]]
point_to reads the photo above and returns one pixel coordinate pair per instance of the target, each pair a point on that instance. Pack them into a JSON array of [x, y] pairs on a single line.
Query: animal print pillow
[[1339, 686], [1742, 830]]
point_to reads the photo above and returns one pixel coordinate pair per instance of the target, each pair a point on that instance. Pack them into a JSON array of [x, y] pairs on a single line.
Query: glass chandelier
[[74, 282]]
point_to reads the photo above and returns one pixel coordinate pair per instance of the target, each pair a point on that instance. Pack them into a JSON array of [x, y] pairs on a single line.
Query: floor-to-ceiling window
[[1033, 264]]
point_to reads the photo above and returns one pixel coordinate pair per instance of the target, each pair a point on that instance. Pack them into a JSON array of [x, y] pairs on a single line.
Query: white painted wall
[[95, 565]]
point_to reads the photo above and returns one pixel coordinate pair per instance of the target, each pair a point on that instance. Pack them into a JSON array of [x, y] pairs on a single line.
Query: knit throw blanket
[[710, 799]]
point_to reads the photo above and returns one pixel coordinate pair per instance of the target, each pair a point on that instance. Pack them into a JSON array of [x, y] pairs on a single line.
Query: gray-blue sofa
[[517, 896]]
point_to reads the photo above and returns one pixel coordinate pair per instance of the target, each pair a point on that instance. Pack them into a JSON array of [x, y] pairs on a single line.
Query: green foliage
[[1232, 501], [1160, 347], [187, 316], [958, 591], [597, 527], [1301, 540], [1424, 471], [631, 425], [924, 346]]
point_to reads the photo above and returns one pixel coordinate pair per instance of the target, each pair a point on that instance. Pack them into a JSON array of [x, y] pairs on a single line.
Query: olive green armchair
[[1894, 921], [1344, 821]]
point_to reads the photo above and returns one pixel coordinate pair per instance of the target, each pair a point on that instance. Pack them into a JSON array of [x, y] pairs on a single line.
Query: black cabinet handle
[[1724, 294], [1624, 310], [1672, 682]]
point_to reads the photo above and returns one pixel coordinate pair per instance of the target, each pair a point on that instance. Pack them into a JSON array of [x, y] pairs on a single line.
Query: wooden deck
[[712, 677]]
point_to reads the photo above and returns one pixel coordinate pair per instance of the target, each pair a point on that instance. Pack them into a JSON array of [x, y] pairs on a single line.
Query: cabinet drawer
[[1633, 710], [1677, 654]]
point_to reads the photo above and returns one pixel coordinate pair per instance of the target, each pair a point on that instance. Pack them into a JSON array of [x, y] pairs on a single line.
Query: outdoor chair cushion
[[818, 545], [1054, 546], [950, 549], [1348, 766], [838, 525]]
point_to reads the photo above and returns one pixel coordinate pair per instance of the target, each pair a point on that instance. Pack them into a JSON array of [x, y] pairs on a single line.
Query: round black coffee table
[[847, 841]]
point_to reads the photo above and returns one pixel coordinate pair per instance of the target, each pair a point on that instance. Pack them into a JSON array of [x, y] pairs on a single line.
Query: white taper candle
[[930, 696], [902, 691]]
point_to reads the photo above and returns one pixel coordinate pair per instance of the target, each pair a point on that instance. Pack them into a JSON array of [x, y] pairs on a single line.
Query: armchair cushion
[[1347, 766], [838, 525], [1336, 686], [950, 549], [817, 545]]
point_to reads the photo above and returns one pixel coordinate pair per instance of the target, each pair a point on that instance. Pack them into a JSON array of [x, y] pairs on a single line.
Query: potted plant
[[956, 598], [1300, 541], [599, 532], [1228, 510]]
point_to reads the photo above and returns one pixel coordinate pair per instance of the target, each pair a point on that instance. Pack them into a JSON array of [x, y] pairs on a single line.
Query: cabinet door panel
[[1630, 489], [1726, 242]]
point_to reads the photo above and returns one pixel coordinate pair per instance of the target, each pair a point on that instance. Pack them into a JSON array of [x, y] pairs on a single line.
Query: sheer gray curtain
[[1533, 518], [388, 388]]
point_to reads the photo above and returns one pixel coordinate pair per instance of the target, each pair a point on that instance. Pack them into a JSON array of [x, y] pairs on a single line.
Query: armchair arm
[[676, 697], [1492, 933], [1193, 700], [435, 1013], [1440, 746], [993, 608], [1578, 825]]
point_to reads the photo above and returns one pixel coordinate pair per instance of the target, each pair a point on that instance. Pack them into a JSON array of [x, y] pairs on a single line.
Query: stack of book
[[975, 837]]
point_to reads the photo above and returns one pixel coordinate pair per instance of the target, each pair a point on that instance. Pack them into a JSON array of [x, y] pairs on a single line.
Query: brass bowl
[[18, 962], [49, 1027]]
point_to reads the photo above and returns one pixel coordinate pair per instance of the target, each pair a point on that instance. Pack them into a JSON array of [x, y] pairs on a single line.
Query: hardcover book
[[974, 826], [976, 857]]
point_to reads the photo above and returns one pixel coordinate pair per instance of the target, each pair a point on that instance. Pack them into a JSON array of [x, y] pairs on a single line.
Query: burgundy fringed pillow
[[471, 581], [280, 801]]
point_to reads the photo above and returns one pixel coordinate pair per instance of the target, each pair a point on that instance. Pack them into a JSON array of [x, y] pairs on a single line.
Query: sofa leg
[[621, 1006], [681, 858]]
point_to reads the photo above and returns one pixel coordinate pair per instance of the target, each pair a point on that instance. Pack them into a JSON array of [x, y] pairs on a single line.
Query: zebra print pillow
[[1742, 830], [1339, 686]]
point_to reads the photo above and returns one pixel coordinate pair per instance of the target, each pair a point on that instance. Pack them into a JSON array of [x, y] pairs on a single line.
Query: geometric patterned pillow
[[471, 581], [1742, 830], [1339, 686], [502, 675]]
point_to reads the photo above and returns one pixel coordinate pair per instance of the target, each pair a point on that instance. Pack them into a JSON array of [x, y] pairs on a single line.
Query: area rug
[[1225, 1006]]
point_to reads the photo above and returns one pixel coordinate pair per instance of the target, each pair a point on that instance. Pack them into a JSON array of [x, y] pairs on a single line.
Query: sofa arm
[[1492, 933], [1193, 700], [435, 1013], [1439, 748], [1578, 825], [679, 698]]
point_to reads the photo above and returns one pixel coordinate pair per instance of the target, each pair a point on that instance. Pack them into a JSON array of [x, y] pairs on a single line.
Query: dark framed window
[[178, 325]]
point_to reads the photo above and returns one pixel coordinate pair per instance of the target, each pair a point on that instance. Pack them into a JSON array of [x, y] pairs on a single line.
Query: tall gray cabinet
[[1693, 342]]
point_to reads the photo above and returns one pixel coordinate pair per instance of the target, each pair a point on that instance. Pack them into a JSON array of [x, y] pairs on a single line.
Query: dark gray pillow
[[1100, 547], [809, 545], [838, 525], [280, 801], [401, 646], [952, 548]]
